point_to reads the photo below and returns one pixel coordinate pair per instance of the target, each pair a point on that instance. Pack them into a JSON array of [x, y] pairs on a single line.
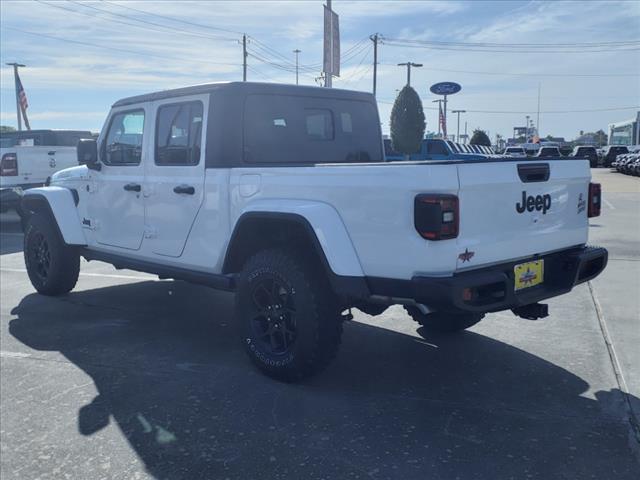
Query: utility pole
[[526, 130], [374, 39], [458, 131], [466, 137], [244, 58], [15, 78], [439, 102], [297, 51], [409, 65]]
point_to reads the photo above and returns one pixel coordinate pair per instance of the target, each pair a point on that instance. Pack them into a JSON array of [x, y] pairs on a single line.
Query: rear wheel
[[444, 322], [53, 267], [289, 321]]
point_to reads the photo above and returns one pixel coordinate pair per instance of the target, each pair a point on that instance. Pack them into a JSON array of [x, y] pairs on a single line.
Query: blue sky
[[120, 52]]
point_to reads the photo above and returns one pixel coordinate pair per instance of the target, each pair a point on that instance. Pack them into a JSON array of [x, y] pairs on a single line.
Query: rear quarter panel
[[374, 202]]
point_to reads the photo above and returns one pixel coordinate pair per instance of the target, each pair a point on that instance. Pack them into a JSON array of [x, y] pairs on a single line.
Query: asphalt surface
[[129, 377]]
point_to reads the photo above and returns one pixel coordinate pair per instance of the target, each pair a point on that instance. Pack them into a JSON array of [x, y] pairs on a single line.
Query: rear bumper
[[491, 289]]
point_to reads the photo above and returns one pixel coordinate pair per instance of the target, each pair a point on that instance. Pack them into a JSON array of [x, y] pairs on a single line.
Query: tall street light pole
[[297, 51], [409, 65], [15, 78], [458, 130]]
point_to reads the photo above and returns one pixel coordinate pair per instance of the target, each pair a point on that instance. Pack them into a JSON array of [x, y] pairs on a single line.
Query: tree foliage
[[6, 129], [407, 121], [480, 138]]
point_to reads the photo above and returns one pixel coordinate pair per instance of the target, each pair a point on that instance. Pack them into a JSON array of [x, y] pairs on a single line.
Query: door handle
[[132, 187], [187, 189]]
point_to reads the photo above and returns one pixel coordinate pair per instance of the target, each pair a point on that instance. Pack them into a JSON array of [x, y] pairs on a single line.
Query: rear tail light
[[436, 216], [9, 165], [595, 200]]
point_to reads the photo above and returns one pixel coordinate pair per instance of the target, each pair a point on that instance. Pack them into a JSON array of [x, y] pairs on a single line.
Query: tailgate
[[511, 210]]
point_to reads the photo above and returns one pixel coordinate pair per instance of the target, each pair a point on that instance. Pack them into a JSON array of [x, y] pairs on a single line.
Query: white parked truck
[[282, 194], [29, 157]]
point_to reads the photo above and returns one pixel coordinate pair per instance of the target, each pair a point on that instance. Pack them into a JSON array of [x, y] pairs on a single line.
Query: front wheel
[[444, 322], [53, 267], [289, 322]]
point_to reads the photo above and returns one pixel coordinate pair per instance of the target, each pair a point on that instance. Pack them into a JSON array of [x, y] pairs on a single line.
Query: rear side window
[[179, 134], [437, 147], [123, 143], [70, 139], [319, 124], [287, 129]]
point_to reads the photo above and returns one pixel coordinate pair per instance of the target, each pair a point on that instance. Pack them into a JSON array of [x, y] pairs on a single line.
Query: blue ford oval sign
[[445, 88]]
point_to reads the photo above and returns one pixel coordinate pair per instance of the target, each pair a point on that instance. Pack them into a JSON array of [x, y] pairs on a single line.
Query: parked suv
[[586, 151], [281, 194], [545, 152], [515, 152], [611, 152]]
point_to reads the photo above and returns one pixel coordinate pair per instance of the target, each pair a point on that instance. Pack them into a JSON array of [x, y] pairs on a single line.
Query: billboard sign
[[331, 57], [445, 88]]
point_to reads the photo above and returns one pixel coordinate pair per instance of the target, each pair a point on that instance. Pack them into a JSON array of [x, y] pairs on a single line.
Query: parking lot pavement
[[130, 377]]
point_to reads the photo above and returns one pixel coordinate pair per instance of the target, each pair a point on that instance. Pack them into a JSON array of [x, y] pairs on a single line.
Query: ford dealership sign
[[445, 88]]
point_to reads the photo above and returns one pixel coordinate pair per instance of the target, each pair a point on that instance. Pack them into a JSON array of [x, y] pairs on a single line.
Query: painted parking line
[[608, 203], [87, 274], [5, 354]]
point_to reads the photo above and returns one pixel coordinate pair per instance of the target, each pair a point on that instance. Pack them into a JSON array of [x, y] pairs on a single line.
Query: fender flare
[[320, 220], [60, 203]]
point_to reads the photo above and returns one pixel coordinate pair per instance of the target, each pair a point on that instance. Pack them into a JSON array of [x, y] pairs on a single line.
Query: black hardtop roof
[[248, 88]]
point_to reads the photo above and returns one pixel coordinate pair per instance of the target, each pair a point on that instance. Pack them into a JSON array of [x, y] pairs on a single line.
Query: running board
[[213, 280]]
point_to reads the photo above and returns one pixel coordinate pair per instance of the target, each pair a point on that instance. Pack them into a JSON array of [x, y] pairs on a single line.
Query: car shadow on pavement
[[10, 236], [171, 374]]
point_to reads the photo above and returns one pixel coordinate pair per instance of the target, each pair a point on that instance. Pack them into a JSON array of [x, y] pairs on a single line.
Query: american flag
[[22, 96]]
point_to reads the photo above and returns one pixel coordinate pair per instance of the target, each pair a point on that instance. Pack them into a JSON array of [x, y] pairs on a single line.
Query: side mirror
[[88, 153]]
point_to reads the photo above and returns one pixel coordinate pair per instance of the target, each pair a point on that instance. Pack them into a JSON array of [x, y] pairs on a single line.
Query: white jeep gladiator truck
[[29, 157], [282, 194]]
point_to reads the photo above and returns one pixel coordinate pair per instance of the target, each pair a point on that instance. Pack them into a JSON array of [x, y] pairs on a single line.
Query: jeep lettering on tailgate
[[531, 203]]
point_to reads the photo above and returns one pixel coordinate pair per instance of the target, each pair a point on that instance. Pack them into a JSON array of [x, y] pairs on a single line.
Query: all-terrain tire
[[444, 322], [52, 266], [288, 319]]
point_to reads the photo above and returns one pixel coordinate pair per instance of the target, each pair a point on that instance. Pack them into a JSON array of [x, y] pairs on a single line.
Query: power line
[[391, 43], [179, 30], [604, 75], [518, 45], [278, 66], [121, 22], [261, 73], [507, 51], [609, 109], [209, 27], [357, 70], [265, 51], [116, 49]]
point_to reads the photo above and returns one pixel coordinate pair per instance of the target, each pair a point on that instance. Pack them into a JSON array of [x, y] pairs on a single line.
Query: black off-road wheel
[[52, 266], [444, 322], [288, 318]]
